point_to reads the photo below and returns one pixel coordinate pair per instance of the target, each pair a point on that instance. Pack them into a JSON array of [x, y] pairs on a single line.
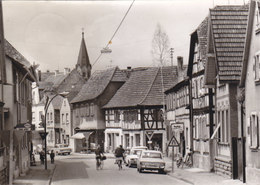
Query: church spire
[[83, 65]]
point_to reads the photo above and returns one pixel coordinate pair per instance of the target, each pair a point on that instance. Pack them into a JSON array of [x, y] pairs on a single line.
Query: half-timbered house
[[135, 115], [88, 116]]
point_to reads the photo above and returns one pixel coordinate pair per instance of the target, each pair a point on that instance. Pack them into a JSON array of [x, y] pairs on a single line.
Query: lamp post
[[47, 104]]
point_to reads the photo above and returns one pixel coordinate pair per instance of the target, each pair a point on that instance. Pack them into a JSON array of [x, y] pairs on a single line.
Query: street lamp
[[47, 104]]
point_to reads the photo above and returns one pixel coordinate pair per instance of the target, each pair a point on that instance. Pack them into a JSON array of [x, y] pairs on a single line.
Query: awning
[[81, 135]]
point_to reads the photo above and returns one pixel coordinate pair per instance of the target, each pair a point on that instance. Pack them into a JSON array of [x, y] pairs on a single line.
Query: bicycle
[[119, 162], [99, 163], [187, 160]]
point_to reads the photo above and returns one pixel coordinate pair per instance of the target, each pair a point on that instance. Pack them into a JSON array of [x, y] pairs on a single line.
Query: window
[[256, 66], [91, 109], [117, 116], [40, 116], [87, 111], [254, 131], [223, 119], [33, 116], [62, 118], [67, 118], [257, 21]]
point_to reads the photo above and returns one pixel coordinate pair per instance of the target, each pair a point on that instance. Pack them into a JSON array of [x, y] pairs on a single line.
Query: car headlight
[[162, 165]]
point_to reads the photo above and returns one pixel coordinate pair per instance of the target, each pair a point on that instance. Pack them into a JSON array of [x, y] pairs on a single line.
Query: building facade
[[88, 116], [201, 99], [134, 116], [225, 56], [249, 100]]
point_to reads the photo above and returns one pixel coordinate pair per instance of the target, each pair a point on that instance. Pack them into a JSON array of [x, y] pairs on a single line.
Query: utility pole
[[171, 52]]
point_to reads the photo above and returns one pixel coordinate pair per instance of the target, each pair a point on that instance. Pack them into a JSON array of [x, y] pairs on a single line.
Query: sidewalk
[[37, 175], [198, 176]]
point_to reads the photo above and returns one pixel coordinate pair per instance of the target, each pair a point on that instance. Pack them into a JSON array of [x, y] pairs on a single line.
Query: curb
[[51, 176], [180, 178]]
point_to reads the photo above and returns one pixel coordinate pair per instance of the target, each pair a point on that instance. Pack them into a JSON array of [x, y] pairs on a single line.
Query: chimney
[[66, 70], [39, 75], [180, 68], [180, 63], [56, 72], [128, 71]]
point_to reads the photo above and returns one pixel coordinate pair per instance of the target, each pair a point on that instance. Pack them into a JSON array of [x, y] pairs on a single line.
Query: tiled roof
[[202, 32], [72, 83], [144, 87], [56, 80], [95, 85], [57, 102], [229, 24], [15, 55]]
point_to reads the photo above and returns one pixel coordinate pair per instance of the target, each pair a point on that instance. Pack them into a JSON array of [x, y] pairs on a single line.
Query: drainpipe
[[191, 117]]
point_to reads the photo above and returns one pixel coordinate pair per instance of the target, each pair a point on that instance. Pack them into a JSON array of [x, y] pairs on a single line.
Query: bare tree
[[160, 46]]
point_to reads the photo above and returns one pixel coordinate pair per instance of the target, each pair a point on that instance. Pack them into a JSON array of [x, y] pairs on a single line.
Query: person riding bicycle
[[119, 153], [99, 154]]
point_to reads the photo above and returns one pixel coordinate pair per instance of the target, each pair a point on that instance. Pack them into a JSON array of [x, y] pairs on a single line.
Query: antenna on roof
[[171, 52]]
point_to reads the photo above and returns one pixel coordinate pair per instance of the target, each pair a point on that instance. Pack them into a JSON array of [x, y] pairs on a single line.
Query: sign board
[[150, 142], [149, 134], [173, 142], [27, 125], [178, 127]]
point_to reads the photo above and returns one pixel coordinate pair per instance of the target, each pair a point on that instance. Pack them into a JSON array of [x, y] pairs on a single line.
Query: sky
[[49, 32]]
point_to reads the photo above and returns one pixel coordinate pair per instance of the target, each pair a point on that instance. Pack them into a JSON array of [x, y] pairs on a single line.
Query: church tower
[[83, 65]]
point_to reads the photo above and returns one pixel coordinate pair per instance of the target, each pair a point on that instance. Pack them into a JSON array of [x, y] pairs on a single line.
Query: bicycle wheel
[[120, 164], [98, 164]]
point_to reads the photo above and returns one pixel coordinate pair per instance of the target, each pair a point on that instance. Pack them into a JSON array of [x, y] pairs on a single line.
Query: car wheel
[[140, 170], [68, 153], [161, 171]]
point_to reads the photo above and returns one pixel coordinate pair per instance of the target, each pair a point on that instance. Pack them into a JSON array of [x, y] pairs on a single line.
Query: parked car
[[150, 160], [61, 149], [131, 158]]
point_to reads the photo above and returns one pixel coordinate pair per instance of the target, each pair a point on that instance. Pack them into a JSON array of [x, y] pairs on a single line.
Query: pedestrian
[[42, 156], [52, 155]]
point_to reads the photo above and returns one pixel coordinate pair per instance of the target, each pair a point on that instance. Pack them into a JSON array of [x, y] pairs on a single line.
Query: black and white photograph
[[129, 92]]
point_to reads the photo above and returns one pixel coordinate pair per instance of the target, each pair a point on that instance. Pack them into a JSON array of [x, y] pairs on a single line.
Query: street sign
[[149, 134], [173, 142], [27, 125], [150, 142]]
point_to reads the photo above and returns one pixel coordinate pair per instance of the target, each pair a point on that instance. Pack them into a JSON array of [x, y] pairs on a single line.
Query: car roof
[[139, 147], [153, 151]]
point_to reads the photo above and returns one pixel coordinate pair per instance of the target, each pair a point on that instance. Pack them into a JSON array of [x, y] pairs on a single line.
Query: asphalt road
[[73, 170]]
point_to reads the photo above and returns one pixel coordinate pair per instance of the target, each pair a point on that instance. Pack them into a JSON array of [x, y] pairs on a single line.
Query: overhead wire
[[110, 41]]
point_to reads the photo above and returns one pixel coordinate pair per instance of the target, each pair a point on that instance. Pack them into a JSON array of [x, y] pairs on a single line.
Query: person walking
[[52, 155], [42, 157]]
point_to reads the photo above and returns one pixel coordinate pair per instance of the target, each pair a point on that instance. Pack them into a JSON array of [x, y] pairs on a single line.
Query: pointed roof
[[98, 82], [144, 87], [83, 59], [229, 25]]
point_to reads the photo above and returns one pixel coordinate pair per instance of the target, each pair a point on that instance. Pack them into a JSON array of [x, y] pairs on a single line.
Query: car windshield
[[151, 155], [135, 152]]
